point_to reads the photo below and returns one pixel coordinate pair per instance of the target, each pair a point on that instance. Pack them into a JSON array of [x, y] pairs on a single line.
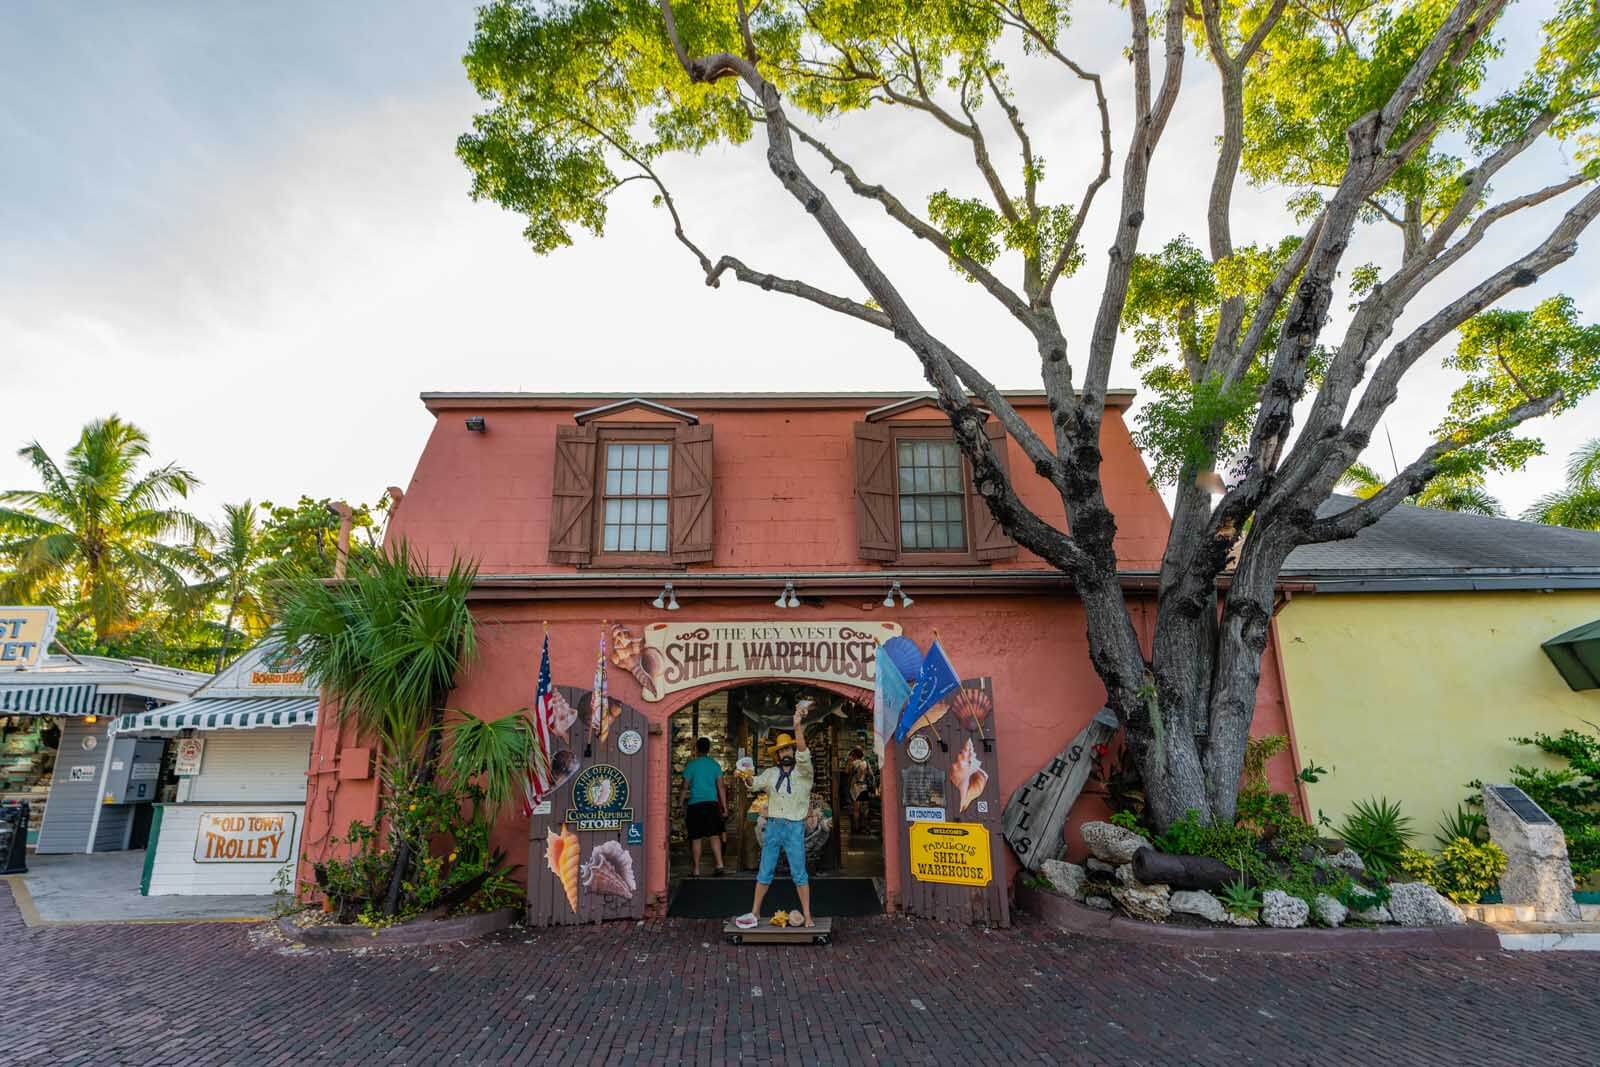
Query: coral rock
[[1419, 904], [1067, 878], [1144, 901], [1099, 903], [1283, 911], [1198, 902], [1379, 914], [1346, 860], [1330, 912], [1111, 844]]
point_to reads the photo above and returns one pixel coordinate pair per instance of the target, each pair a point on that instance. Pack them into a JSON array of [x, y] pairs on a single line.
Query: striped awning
[[70, 700], [220, 714]]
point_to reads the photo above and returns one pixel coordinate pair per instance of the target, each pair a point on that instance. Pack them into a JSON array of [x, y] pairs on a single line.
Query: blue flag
[[890, 693], [937, 680]]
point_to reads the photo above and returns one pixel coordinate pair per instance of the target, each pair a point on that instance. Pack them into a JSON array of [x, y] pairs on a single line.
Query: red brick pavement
[[888, 990]]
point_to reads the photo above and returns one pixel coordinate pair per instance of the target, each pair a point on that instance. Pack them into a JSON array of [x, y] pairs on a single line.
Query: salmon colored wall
[[1034, 649], [785, 501], [487, 495]]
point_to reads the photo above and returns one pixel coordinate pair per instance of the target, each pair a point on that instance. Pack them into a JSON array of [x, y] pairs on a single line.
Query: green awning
[[1576, 655]]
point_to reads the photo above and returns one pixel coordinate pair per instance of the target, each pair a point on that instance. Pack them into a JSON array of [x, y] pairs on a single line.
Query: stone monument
[[1538, 874]]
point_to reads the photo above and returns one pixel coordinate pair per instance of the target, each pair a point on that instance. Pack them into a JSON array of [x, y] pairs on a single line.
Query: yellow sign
[[25, 634], [683, 655], [955, 853], [244, 837]]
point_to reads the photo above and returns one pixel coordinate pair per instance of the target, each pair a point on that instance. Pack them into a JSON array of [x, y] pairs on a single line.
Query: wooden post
[[341, 509]]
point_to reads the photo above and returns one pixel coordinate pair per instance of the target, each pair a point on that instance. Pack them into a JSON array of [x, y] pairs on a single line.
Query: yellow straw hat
[[782, 741]]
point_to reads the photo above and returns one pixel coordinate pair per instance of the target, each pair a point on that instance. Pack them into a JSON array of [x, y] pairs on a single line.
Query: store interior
[[844, 840]]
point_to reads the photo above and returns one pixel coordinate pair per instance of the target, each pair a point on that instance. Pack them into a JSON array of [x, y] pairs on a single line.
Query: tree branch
[[772, 283], [1416, 475]]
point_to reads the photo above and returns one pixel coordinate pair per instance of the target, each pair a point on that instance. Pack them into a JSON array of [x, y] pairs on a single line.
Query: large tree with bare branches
[[1367, 113]]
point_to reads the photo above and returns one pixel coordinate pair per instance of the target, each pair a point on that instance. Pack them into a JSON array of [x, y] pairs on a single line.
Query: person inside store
[[860, 785], [705, 801], [788, 789]]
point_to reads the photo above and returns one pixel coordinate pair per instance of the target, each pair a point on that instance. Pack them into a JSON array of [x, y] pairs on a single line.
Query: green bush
[[1187, 837], [1466, 870], [1378, 833], [1464, 823], [1128, 821], [1415, 865]]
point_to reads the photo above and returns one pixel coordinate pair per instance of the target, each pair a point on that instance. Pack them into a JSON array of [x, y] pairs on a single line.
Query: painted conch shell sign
[[561, 717], [561, 855], [609, 871], [629, 653], [968, 775]]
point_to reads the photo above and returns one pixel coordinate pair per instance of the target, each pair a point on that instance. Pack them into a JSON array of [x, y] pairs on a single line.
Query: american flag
[[537, 786]]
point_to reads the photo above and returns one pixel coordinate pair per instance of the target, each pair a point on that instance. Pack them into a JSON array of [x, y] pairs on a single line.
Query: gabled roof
[[1414, 548], [635, 403]]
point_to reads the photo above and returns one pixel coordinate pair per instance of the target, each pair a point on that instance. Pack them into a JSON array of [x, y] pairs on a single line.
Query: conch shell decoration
[[561, 854], [968, 775], [561, 717], [609, 871], [972, 708], [629, 653]]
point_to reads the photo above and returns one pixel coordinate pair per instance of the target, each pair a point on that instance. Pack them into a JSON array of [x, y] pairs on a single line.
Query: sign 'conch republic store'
[[683, 655]]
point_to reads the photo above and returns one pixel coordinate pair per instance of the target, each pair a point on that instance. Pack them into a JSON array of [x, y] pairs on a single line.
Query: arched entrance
[[844, 840]]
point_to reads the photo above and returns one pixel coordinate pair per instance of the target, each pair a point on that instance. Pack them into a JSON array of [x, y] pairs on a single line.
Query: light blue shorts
[[789, 836]]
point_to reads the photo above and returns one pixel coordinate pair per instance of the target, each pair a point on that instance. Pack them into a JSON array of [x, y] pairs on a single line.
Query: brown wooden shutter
[[877, 526], [692, 533], [572, 496], [990, 541]]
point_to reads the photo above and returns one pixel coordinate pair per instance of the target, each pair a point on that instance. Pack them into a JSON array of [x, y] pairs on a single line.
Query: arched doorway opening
[[844, 840]]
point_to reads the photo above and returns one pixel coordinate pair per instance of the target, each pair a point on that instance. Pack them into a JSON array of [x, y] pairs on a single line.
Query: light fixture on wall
[[667, 599], [888, 598], [477, 424], [787, 599]]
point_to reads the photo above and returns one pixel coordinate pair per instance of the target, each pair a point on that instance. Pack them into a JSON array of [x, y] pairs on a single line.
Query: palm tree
[[386, 643], [97, 534], [1447, 492], [234, 566], [1577, 505]]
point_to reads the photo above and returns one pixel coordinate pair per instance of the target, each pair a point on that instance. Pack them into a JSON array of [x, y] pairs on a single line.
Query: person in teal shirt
[[705, 804]]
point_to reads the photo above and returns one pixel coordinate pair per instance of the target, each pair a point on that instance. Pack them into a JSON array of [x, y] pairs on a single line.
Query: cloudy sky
[[243, 227]]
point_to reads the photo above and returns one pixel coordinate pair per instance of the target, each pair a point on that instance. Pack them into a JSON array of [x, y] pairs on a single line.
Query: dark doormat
[[721, 898]]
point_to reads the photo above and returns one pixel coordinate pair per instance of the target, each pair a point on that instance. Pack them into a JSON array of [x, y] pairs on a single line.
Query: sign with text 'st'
[[25, 635]]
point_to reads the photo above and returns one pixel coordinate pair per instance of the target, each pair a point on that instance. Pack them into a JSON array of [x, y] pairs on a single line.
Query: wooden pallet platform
[[767, 934]]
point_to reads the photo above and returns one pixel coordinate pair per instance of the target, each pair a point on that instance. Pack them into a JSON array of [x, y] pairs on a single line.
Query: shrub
[[1129, 821], [1464, 823], [1240, 898], [1415, 865], [1466, 870], [1187, 837], [1378, 833]]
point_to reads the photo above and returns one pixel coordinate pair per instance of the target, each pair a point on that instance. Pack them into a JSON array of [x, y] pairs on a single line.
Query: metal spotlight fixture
[[905, 601], [888, 598], [667, 599], [787, 599], [477, 424]]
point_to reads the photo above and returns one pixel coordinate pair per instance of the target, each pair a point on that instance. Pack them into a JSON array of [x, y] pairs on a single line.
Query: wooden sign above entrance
[[687, 654]]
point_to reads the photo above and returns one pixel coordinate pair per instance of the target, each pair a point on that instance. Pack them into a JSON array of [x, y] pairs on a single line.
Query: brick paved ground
[[890, 990]]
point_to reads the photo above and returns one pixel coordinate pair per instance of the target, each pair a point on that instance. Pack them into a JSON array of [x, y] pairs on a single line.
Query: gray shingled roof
[[1416, 548]]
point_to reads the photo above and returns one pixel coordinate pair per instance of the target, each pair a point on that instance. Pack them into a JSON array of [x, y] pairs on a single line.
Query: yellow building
[[1418, 657]]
